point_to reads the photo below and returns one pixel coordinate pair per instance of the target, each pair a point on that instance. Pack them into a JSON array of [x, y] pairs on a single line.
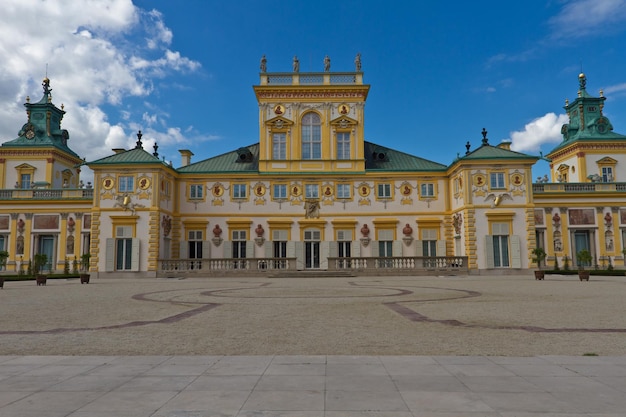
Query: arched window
[[311, 136]]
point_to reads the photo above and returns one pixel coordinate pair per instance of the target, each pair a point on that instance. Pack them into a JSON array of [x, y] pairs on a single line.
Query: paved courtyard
[[314, 347]]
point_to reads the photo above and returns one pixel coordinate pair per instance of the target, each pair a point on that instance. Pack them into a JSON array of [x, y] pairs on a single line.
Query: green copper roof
[[43, 127], [233, 161], [132, 156], [586, 119], [377, 158], [381, 158], [487, 151]]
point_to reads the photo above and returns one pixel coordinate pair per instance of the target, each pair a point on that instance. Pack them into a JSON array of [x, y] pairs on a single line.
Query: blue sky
[[183, 71]]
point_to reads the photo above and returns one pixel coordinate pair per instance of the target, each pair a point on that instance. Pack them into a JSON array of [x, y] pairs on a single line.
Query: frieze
[[278, 95]]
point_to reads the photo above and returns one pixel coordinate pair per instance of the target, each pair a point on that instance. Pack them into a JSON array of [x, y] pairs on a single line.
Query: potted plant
[[539, 254], [583, 258], [4, 255], [84, 268], [39, 261]]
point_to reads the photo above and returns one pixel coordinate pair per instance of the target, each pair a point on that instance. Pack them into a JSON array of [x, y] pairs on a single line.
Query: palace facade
[[313, 195]]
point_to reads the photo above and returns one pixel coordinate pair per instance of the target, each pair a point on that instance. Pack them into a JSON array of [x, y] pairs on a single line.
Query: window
[[239, 190], [384, 190], [311, 136], [312, 249], [311, 191], [343, 191], [385, 248], [195, 247], [344, 246], [497, 180], [25, 180], [280, 191], [607, 174], [279, 250], [429, 242], [279, 146], [126, 184], [428, 190], [195, 191], [343, 145], [239, 244], [500, 245], [123, 248]]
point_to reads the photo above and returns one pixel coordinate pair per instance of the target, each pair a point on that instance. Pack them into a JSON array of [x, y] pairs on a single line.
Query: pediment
[[343, 122], [25, 167], [607, 160], [279, 122], [563, 167]]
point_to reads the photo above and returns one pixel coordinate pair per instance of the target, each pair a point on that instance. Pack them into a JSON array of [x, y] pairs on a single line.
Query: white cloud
[[580, 18], [98, 53], [543, 130]]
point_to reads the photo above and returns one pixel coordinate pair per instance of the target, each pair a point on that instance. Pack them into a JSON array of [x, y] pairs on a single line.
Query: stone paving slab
[[312, 386]]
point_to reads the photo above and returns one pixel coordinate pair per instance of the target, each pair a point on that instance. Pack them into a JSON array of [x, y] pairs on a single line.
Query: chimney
[[186, 155], [118, 150], [505, 144]]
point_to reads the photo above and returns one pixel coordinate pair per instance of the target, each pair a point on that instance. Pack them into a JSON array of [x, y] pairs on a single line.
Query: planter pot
[[540, 275], [583, 275], [84, 278], [41, 279]]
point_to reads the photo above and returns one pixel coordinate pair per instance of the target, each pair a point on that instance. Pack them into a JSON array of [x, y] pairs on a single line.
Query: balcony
[[312, 78], [47, 194], [579, 187]]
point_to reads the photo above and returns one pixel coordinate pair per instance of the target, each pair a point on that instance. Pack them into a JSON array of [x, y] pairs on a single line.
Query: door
[[581, 242], [312, 249], [46, 247]]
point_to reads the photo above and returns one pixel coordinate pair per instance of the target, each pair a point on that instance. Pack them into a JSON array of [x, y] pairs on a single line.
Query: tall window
[[500, 245], [279, 146], [239, 244], [123, 248], [343, 145], [344, 247], [385, 248], [497, 180], [126, 184], [607, 174], [26, 180], [312, 248], [311, 136], [279, 241], [429, 242], [195, 247]]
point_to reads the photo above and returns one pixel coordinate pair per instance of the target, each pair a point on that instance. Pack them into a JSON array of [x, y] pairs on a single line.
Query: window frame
[[311, 137], [429, 186], [194, 190], [311, 187], [386, 186], [500, 180], [347, 188], [240, 191], [279, 147], [284, 189], [343, 145], [126, 183]]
